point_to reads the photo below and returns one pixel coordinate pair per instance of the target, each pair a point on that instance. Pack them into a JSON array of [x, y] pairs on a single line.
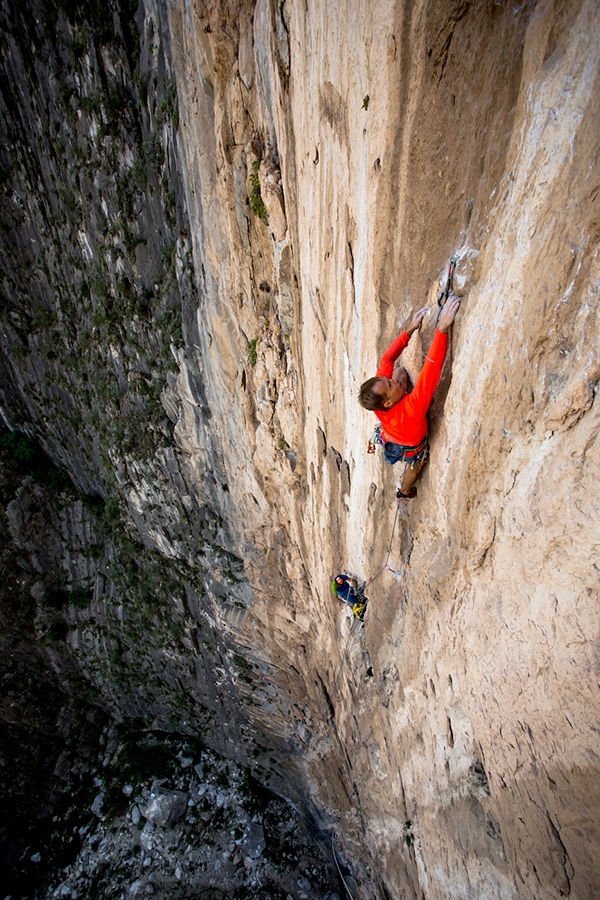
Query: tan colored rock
[[452, 741], [448, 749], [272, 195]]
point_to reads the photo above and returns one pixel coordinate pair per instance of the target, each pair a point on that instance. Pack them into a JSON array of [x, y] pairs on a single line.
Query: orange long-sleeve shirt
[[406, 422]]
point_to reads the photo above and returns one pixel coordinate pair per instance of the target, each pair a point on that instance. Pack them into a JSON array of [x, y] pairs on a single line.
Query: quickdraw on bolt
[[449, 279]]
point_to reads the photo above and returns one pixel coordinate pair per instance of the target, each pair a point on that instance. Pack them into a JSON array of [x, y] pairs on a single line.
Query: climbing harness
[[413, 456], [394, 453]]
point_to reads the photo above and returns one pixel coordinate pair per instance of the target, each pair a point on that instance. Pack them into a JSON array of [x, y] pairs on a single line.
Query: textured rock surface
[[204, 383], [223, 832]]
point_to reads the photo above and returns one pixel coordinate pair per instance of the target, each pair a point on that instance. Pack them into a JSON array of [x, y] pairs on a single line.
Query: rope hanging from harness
[[358, 617], [389, 550]]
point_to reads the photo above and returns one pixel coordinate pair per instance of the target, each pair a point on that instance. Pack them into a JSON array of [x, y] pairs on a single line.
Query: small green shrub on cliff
[[252, 355], [80, 597], [44, 320], [18, 446], [168, 108], [28, 457], [256, 201]]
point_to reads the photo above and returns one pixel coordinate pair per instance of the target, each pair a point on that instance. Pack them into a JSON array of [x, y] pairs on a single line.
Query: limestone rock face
[[272, 193], [197, 365]]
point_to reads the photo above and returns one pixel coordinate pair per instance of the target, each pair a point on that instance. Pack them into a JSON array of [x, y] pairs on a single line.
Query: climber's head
[[381, 393]]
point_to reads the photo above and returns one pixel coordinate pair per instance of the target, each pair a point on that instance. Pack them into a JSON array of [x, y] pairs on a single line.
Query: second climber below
[[403, 413]]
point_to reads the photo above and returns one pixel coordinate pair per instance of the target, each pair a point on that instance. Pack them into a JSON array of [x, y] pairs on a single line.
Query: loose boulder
[[165, 807]]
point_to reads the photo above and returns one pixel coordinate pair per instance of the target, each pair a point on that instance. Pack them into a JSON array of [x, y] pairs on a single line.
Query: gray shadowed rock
[[254, 842], [96, 806], [164, 807]]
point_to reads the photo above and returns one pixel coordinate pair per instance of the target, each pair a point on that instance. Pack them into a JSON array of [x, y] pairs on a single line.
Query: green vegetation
[[95, 12], [168, 108], [29, 459], [80, 597], [252, 355], [142, 757], [44, 321], [256, 201]]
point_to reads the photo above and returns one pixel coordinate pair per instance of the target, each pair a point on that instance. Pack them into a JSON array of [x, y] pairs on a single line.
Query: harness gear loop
[[394, 453], [375, 440]]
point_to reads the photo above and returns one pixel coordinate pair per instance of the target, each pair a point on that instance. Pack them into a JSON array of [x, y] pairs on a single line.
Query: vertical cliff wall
[[113, 566], [278, 186]]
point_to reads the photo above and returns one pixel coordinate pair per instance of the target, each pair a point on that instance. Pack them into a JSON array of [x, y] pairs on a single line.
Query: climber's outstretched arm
[[418, 402], [448, 313]]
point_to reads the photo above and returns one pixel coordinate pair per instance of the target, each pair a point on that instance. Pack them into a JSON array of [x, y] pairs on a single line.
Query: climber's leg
[[411, 476]]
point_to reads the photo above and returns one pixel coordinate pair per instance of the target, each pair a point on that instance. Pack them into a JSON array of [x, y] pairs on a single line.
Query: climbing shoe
[[412, 493]]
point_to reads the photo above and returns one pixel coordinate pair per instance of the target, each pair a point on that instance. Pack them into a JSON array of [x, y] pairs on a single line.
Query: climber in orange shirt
[[403, 413]]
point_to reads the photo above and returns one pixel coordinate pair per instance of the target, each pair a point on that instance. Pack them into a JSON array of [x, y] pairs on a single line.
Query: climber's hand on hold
[[448, 313], [417, 320]]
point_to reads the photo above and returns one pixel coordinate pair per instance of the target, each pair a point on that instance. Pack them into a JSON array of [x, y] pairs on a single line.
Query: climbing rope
[[389, 550], [341, 666], [338, 868], [366, 584], [331, 714], [445, 293]]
